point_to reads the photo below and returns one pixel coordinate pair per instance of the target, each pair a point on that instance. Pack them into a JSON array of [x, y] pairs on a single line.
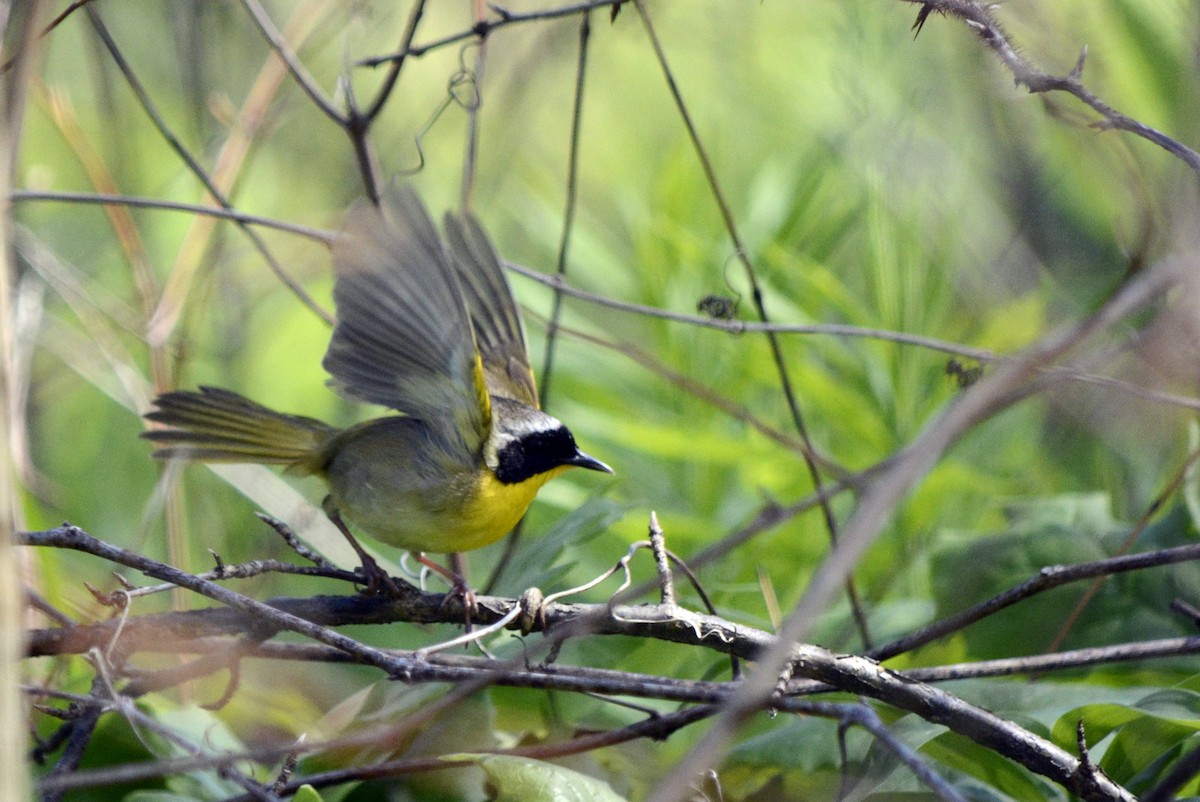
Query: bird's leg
[[377, 579], [458, 584]]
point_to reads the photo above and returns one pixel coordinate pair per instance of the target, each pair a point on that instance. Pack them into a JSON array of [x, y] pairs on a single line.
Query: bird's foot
[[379, 581], [459, 589]]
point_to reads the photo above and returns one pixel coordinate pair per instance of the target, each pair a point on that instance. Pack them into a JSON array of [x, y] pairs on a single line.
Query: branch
[[978, 17], [559, 285], [855, 674], [484, 28], [1046, 579], [225, 213]]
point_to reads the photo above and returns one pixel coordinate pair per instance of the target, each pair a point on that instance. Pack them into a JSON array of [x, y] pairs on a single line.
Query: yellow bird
[[430, 329]]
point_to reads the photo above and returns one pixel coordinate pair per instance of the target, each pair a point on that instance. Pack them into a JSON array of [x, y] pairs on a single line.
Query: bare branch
[[1046, 579], [325, 237], [484, 28], [859, 675], [978, 18]]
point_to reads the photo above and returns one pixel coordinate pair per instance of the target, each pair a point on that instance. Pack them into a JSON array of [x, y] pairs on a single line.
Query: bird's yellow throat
[[495, 508]]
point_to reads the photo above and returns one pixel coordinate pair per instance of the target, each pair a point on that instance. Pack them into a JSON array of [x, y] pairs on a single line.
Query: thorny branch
[[979, 19]]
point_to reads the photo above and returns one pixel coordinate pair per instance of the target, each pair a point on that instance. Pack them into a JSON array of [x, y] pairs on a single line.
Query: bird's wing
[[493, 311], [403, 337]]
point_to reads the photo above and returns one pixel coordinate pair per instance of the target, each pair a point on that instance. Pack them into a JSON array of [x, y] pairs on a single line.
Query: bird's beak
[[581, 460]]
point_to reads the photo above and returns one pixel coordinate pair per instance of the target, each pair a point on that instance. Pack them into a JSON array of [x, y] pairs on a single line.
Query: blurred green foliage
[[877, 181]]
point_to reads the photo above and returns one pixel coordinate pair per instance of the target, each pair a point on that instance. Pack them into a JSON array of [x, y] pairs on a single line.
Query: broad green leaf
[[538, 561], [307, 793], [968, 568], [1142, 749], [991, 769], [1176, 704], [1098, 721], [518, 779], [805, 744]]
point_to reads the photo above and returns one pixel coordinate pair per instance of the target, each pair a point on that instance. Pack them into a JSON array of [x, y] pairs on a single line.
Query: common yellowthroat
[[429, 328]]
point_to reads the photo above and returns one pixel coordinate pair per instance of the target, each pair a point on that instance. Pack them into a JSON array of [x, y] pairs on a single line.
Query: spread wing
[[493, 311], [403, 337]]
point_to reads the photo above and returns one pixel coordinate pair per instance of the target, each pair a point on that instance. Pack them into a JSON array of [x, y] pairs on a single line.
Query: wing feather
[[403, 337], [493, 311]]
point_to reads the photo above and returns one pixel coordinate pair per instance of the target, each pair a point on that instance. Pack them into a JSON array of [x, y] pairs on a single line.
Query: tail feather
[[216, 425]]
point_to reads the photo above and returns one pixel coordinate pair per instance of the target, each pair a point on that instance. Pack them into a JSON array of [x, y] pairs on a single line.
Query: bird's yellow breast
[[381, 483], [494, 508]]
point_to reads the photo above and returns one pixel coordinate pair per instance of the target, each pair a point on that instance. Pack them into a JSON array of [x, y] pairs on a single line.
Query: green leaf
[[1191, 483], [1141, 750], [968, 568], [195, 725], [519, 779], [1098, 721], [307, 793], [996, 772], [778, 748], [882, 772], [1146, 736], [342, 715], [538, 561], [1176, 704]]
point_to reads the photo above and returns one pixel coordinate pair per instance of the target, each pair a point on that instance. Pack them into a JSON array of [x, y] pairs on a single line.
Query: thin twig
[[661, 563], [742, 255], [165, 131], [571, 203], [1060, 661], [72, 537], [25, 195], [486, 27], [1046, 579], [271, 33], [389, 82], [358, 123]]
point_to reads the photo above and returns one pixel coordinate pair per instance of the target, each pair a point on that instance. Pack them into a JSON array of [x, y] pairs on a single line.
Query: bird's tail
[[216, 425]]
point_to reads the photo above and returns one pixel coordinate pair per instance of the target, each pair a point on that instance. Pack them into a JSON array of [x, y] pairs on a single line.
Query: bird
[[428, 327]]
